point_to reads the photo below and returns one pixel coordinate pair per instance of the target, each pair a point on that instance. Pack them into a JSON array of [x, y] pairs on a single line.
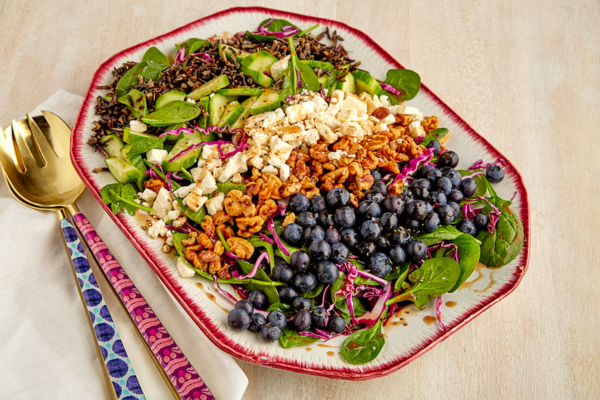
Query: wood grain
[[522, 73]]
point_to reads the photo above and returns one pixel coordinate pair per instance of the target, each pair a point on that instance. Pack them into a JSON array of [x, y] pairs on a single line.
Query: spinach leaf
[[435, 134], [397, 271], [286, 309], [196, 216], [260, 38], [404, 80], [288, 87], [154, 54], [304, 32], [402, 277], [256, 241], [307, 76], [120, 196], [195, 45], [174, 112], [311, 294], [364, 345], [468, 255], [277, 24], [141, 146], [290, 338], [226, 187], [335, 286], [342, 307], [505, 244], [441, 233], [148, 70], [139, 108]]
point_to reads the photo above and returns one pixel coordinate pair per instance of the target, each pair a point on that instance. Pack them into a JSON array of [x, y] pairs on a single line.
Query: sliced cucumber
[[213, 85], [239, 123], [216, 107], [204, 118], [112, 145], [228, 51], [366, 83], [348, 85], [231, 114], [122, 171], [138, 136], [185, 160], [126, 131], [267, 101], [169, 97], [241, 92], [260, 61], [257, 77]]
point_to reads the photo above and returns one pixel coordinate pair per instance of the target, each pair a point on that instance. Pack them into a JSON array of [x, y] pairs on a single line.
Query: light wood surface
[[525, 74]]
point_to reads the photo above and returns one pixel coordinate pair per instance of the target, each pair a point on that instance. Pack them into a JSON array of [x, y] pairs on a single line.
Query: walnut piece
[[267, 209], [219, 248], [154, 184], [240, 247], [191, 240], [249, 226], [209, 227], [289, 219], [236, 203], [226, 231]]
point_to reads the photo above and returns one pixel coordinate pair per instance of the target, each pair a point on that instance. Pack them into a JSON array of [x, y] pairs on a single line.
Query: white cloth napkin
[[46, 348]]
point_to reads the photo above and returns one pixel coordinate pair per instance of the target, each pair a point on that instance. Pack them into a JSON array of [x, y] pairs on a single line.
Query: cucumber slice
[[366, 83], [267, 101], [216, 107], [138, 136], [204, 118], [241, 92], [169, 97], [260, 61], [231, 114], [213, 85], [239, 123], [126, 131], [185, 160], [122, 171], [349, 84], [257, 77], [112, 145], [228, 51]]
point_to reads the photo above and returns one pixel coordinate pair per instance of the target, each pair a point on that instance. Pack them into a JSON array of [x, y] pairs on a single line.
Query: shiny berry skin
[[301, 303], [305, 281], [432, 174], [466, 226], [452, 174], [388, 221], [435, 145], [349, 238], [406, 196], [421, 188], [269, 333], [455, 209], [416, 209], [379, 265], [292, 234], [468, 187], [287, 294], [494, 173], [345, 217], [365, 249], [397, 255], [258, 299], [332, 235], [481, 221], [413, 225], [339, 253], [448, 159], [380, 187], [430, 223], [373, 195], [265, 266], [298, 203], [376, 175], [382, 244], [319, 250], [446, 214], [368, 209], [326, 219], [393, 204], [336, 324], [306, 219], [300, 261], [302, 320], [244, 305], [277, 318], [238, 320], [455, 196], [337, 198], [327, 272], [257, 320], [399, 237], [318, 317], [421, 172], [282, 272], [313, 233], [370, 230], [416, 250], [443, 185], [318, 204], [437, 198]]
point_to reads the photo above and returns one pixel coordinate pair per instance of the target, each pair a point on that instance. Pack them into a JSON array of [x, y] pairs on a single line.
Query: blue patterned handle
[[117, 363]]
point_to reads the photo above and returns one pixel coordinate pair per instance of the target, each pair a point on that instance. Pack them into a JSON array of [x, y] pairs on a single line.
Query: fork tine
[[59, 131], [25, 153], [40, 139], [7, 162]]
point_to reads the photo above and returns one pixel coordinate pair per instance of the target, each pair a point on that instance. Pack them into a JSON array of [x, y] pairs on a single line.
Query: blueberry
[[452, 174], [397, 255], [468, 187], [345, 217], [380, 265], [292, 234], [416, 209], [313, 233], [287, 294], [337, 198], [407, 196], [319, 250], [301, 303], [455, 209], [444, 185], [305, 281], [373, 195], [318, 317], [244, 305], [383, 243], [238, 320], [432, 174], [424, 169], [481, 221], [326, 219], [455, 196], [302, 320], [257, 320], [435, 145], [327, 272], [416, 250], [448, 159], [376, 175], [277, 318], [282, 272], [388, 221], [399, 237], [365, 249], [336, 324], [437, 198], [370, 230], [446, 214], [368, 209], [269, 333], [300, 261], [317, 204], [258, 299], [431, 222], [413, 225], [349, 237], [298, 203], [393, 204], [421, 188], [306, 219], [380, 187], [332, 235], [494, 173], [339, 253], [466, 226]]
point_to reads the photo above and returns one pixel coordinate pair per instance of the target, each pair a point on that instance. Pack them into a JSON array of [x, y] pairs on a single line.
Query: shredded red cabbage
[[444, 245], [325, 295], [419, 139], [371, 276], [289, 98], [469, 211], [413, 165], [169, 182], [265, 238], [351, 274], [225, 293], [175, 176], [323, 95], [299, 79], [473, 175], [286, 31], [390, 89], [438, 313], [240, 291], [205, 131], [370, 318], [231, 255], [180, 58], [252, 273], [492, 215], [271, 228], [282, 209], [178, 229], [480, 165]]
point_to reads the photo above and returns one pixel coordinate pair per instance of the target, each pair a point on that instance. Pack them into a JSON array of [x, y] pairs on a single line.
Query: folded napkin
[[46, 348]]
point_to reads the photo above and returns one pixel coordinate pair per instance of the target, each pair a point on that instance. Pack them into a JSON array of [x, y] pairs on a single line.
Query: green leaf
[[139, 108], [435, 277], [337, 285], [404, 80], [120, 197], [277, 24], [441, 233], [157, 56], [364, 345], [311, 294], [196, 216], [194, 45], [468, 256], [307, 76], [256, 241], [304, 32], [435, 134], [226, 187], [144, 145], [290, 338], [505, 244], [286, 309], [402, 277], [148, 70], [342, 307], [174, 112]]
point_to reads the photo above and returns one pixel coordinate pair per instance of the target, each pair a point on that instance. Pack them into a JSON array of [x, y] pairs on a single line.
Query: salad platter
[[310, 204]]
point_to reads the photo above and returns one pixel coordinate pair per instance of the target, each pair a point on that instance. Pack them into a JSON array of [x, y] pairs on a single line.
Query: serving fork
[[34, 158]]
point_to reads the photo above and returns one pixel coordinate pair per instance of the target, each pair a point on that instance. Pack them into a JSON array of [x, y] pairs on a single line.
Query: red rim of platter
[[211, 330]]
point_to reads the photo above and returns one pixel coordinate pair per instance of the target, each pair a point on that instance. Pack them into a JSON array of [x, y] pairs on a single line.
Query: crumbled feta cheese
[[262, 121], [206, 182], [401, 109], [173, 215], [284, 172], [183, 191], [156, 156], [196, 171], [191, 101], [385, 101], [213, 163], [169, 240], [237, 178], [416, 129], [256, 162], [320, 104], [217, 172], [261, 138], [329, 120], [326, 133], [312, 137], [195, 200], [298, 112], [278, 67], [280, 152], [352, 129], [176, 206], [336, 102], [137, 126], [354, 102], [294, 137], [215, 204], [184, 270], [269, 169], [235, 164], [179, 222], [163, 203], [390, 119], [157, 229], [336, 155], [210, 152], [148, 195], [372, 104]]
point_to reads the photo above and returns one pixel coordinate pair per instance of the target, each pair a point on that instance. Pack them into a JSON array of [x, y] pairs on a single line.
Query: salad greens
[[363, 345], [122, 197]]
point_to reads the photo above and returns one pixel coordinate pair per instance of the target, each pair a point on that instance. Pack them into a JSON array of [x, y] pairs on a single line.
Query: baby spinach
[[148, 70], [307, 76], [196, 216], [154, 54], [435, 134], [144, 145], [120, 196], [404, 80], [311, 294], [174, 112], [402, 277], [342, 307], [195, 45], [468, 255], [256, 241], [397, 271], [335, 286], [276, 24], [364, 345], [226, 187], [441, 233], [505, 244], [290, 338], [139, 107], [286, 309]]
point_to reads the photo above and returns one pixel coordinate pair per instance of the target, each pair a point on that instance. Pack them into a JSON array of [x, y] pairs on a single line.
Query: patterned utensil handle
[[119, 367], [181, 373]]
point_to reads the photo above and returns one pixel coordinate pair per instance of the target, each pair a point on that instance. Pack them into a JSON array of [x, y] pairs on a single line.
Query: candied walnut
[[355, 148], [270, 187], [291, 161], [327, 185], [390, 166], [253, 188], [204, 240], [240, 247], [358, 194], [212, 259], [312, 193], [226, 231], [267, 209], [319, 153], [395, 189], [237, 204], [154, 184], [300, 170], [255, 174], [293, 178], [329, 166], [380, 112], [365, 182], [343, 144], [403, 119], [408, 146], [209, 227], [316, 168], [224, 272], [353, 200], [375, 142], [219, 249], [391, 154], [191, 240], [290, 189], [289, 219], [397, 132], [352, 185], [309, 182], [430, 123], [192, 257], [249, 226], [340, 175], [221, 217], [355, 169], [370, 161], [303, 157]]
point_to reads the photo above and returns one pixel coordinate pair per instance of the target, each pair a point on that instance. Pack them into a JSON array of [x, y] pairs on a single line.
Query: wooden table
[[525, 74]]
